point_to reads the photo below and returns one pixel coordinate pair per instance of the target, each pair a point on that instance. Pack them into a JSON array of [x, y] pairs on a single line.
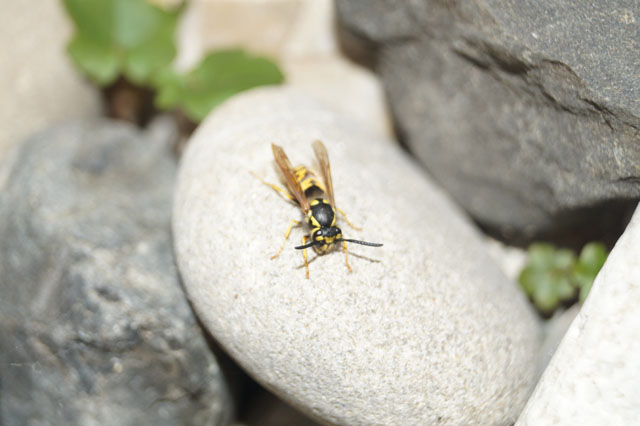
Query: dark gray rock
[[95, 327], [265, 409], [527, 112]]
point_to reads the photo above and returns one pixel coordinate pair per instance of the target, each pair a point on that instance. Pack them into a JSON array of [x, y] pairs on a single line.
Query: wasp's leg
[[286, 236], [347, 220], [346, 256], [283, 192], [304, 253]]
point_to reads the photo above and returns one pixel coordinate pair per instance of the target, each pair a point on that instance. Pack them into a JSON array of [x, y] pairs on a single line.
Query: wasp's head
[[324, 238]]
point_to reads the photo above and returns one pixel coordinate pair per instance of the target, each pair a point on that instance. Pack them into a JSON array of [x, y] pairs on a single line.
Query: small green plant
[[219, 75], [134, 39], [553, 276]]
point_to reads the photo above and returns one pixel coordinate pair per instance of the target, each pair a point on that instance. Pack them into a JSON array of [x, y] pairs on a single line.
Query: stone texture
[[526, 112], [593, 377], [94, 325], [300, 36], [511, 259], [257, 25], [554, 331], [38, 83], [426, 329]]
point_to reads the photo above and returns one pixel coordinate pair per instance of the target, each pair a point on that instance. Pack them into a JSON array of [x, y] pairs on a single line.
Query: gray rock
[[594, 375], [527, 112], [425, 330], [265, 409], [95, 326]]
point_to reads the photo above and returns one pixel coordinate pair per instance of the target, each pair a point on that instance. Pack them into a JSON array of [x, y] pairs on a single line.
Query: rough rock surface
[[425, 330], [527, 112], [593, 377], [95, 328]]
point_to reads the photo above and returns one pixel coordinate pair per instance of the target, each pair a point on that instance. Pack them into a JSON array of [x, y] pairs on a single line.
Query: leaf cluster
[[555, 275], [134, 39]]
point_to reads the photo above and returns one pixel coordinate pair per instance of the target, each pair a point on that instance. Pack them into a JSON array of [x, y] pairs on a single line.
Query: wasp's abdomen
[[321, 214], [309, 182]]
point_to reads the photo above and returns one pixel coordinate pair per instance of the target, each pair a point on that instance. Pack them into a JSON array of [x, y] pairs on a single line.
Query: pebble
[[426, 329]]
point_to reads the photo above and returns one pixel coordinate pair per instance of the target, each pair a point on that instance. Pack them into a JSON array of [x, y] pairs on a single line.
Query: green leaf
[[541, 255], [564, 288], [93, 19], [545, 295], [169, 86], [149, 58], [220, 75], [528, 278], [98, 60], [546, 276], [136, 21], [592, 258], [564, 259], [132, 36]]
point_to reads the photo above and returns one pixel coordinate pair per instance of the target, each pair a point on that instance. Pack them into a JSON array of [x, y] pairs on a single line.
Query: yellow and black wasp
[[320, 212]]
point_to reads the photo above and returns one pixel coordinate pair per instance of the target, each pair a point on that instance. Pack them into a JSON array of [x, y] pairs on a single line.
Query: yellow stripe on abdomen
[[308, 179]]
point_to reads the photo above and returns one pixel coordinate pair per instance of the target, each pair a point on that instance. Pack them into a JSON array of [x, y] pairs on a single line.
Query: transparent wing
[[325, 169], [294, 186]]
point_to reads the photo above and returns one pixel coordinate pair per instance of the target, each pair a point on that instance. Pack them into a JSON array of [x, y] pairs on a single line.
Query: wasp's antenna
[[364, 243], [311, 244]]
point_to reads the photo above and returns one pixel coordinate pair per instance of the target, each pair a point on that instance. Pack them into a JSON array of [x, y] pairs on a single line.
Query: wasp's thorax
[[321, 214]]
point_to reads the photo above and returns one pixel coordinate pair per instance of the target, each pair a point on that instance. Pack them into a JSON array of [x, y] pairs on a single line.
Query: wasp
[[315, 198]]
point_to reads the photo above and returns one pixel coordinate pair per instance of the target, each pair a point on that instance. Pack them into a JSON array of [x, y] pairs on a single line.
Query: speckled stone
[[425, 330], [95, 328], [594, 376]]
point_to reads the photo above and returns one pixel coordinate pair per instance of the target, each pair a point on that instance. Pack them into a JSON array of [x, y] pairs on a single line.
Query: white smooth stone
[[38, 82], [594, 376], [426, 329]]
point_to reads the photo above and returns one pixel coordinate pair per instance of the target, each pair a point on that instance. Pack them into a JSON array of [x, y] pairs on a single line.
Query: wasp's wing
[[294, 186], [325, 169]]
